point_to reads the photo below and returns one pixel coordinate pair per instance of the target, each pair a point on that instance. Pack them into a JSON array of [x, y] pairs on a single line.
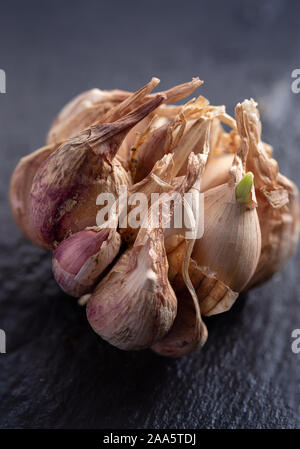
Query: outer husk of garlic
[[82, 111]]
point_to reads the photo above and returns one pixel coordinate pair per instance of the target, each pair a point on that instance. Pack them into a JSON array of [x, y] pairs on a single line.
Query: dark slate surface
[[57, 372]]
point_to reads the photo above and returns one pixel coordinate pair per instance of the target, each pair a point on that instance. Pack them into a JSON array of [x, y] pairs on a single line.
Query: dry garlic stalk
[[82, 111], [98, 105], [66, 186]]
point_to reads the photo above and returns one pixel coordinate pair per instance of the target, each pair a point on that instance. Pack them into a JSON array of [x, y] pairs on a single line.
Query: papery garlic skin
[[79, 261], [134, 305], [82, 111], [66, 186]]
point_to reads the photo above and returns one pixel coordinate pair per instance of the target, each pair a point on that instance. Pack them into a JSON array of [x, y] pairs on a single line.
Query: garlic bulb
[[65, 188], [79, 260], [199, 213]]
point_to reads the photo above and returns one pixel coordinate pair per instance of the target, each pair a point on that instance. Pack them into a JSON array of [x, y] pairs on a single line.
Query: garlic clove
[[20, 186], [79, 261], [231, 244], [65, 187], [134, 305], [106, 106]]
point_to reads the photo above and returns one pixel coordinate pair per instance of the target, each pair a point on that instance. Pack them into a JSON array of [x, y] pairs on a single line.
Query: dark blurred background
[[57, 372]]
